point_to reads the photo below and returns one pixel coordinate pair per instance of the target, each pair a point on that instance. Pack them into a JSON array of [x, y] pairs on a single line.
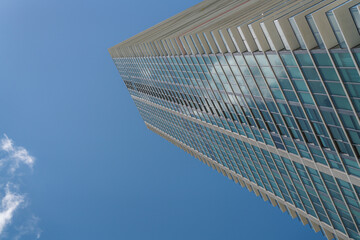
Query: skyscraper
[[266, 92]]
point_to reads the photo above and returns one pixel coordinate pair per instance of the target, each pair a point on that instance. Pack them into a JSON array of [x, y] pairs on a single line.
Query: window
[[285, 84], [322, 100], [322, 59], [250, 60], [294, 73], [240, 59], [316, 87], [349, 121], [328, 74], [288, 60], [353, 90], [280, 72], [343, 60], [304, 59], [267, 72], [261, 59], [274, 60], [306, 98], [300, 85], [335, 88], [230, 60], [290, 96], [310, 74], [349, 75], [341, 103]]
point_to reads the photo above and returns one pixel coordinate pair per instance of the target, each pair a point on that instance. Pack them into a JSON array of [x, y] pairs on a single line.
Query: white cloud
[[9, 203], [6, 144], [29, 227], [16, 155], [12, 159]]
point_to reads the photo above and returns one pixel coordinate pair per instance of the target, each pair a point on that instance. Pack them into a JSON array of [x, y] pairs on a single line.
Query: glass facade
[[291, 101], [285, 120]]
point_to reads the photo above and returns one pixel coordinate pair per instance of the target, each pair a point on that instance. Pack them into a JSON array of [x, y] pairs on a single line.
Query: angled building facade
[[267, 93]]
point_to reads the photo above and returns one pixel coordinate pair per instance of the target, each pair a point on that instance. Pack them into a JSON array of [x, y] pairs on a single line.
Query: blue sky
[[97, 172]]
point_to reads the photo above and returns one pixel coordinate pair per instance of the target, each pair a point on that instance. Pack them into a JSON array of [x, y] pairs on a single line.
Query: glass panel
[[267, 72], [285, 84], [250, 60], [353, 90], [274, 60], [230, 60], [322, 100], [280, 72], [355, 137], [306, 98], [272, 82], [300, 85], [294, 73], [350, 121], [341, 102], [290, 96], [357, 58], [343, 60], [349, 75], [222, 60], [322, 59], [288, 60], [261, 59], [310, 74], [316, 87], [304, 59], [328, 74], [239, 59], [335, 88], [330, 118]]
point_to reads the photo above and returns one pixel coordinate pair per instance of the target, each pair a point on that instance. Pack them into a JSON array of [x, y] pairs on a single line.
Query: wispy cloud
[[29, 227], [9, 203], [15, 155], [13, 160]]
